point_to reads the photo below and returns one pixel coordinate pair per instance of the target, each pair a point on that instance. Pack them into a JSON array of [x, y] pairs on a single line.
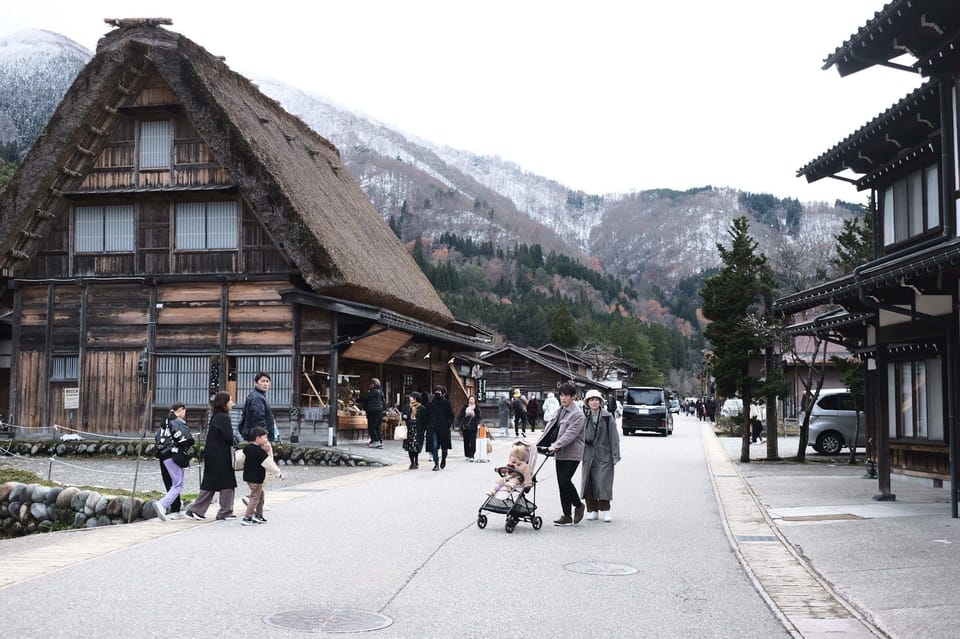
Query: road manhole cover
[[600, 568], [329, 620]]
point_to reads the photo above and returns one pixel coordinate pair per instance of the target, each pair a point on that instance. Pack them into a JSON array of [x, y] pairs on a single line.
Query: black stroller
[[519, 504]]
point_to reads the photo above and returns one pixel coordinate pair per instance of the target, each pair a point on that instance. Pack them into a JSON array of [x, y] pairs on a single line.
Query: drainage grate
[[824, 517], [600, 568], [329, 620], [755, 538]]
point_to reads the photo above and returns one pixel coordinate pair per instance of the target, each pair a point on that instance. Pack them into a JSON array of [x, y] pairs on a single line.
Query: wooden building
[[533, 372], [173, 230], [900, 309]]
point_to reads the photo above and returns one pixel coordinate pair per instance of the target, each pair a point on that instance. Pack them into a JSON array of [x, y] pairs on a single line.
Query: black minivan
[[646, 408]]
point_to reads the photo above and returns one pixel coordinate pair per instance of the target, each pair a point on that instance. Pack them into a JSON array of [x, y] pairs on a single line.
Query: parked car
[[646, 408], [833, 422]]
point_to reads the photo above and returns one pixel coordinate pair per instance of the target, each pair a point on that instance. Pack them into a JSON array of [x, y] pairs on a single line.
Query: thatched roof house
[[289, 175], [173, 231]]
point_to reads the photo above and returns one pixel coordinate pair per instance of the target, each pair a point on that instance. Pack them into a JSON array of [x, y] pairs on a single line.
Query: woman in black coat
[[468, 422], [218, 473], [441, 419]]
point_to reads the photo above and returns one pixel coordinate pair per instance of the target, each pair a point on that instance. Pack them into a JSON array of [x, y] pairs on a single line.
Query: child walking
[[258, 458]]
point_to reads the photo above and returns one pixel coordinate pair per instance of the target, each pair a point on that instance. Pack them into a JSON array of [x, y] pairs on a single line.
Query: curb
[[804, 602]]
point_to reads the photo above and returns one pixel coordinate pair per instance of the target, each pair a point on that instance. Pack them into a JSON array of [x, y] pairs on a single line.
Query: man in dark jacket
[[373, 405], [257, 410], [519, 414]]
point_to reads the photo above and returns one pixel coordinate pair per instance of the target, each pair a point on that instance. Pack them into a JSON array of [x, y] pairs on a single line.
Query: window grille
[[210, 225], [182, 378], [100, 229], [277, 366], [155, 144], [65, 368]]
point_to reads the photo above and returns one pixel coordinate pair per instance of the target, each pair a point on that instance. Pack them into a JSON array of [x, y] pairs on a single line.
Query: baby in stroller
[[516, 475]]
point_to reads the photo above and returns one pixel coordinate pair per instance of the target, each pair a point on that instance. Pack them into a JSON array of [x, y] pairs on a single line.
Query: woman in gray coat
[[601, 452]]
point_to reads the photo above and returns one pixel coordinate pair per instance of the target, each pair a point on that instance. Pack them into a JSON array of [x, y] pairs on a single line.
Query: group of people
[[429, 419], [257, 427], [524, 412], [588, 436], [573, 435], [705, 408]]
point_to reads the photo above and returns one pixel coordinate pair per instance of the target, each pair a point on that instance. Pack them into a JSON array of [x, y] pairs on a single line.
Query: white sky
[[604, 96]]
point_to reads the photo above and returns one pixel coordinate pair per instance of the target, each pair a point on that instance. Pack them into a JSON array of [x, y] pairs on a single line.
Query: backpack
[[164, 439], [242, 427]]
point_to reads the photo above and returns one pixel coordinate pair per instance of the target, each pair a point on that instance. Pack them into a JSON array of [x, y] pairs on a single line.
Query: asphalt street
[[406, 545]]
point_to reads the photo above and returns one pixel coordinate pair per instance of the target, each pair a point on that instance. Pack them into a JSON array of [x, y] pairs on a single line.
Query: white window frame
[[203, 226], [104, 229]]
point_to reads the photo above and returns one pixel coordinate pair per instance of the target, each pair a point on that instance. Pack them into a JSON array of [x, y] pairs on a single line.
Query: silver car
[[834, 422]]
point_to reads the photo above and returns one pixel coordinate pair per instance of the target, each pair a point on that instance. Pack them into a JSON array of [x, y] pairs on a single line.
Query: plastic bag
[[239, 459]]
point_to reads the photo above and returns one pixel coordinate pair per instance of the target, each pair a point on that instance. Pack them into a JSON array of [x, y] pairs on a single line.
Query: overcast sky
[[603, 96]]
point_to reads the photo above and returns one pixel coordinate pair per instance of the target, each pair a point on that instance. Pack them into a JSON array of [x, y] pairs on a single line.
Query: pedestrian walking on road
[[533, 413], [257, 460], [601, 452], [174, 455], [568, 450], [551, 406], [373, 406], [468, 422], [257, 410], [503, 412], [441, 420], [218, 473], [519, 414], [416, 427]]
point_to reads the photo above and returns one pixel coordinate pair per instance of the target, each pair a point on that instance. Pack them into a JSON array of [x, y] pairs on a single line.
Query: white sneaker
[[606, 516], [160, 510], [592, 515]]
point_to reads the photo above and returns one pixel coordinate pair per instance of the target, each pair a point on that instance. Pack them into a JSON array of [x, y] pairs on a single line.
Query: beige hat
[[591, 394], [516, 392]]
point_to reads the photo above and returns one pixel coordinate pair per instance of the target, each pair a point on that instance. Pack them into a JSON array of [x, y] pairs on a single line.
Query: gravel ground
[[121, 473]]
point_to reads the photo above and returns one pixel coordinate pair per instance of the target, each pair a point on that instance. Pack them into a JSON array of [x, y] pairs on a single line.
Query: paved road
[[406, 545]]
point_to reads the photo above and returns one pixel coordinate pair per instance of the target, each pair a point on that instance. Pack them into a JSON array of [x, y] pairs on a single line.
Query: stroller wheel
[[510, 525], [481, 521], [537, 522]]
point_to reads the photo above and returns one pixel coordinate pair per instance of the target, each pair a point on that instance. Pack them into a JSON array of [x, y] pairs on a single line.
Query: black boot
[[443, 459]]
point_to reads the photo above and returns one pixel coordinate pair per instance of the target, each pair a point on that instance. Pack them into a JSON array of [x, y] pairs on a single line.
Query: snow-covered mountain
[[36, 68], [656, 237]]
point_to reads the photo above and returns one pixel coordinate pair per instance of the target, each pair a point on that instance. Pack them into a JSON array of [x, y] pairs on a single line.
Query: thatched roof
[[291, 177]]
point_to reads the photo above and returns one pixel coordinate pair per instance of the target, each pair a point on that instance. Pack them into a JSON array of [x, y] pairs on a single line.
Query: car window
[[649, 397], [838, 401]]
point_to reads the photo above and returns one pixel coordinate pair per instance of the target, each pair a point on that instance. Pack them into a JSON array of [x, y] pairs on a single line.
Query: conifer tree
[[744, 284]]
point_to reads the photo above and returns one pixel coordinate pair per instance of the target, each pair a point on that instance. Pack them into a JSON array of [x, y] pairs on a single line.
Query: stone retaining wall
[[283, 453], [32, 508]]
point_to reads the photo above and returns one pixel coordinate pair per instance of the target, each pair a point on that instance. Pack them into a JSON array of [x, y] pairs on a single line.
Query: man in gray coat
[[568, 448]]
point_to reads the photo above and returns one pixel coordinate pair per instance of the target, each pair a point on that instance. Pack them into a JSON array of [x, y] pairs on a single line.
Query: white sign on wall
[[71, 398]]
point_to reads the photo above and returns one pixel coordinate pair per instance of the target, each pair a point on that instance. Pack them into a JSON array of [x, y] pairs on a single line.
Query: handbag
[[489, 446], [400, 432], [239, 459], [181, 459]]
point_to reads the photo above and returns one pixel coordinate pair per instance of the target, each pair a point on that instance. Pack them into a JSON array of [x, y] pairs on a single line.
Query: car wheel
[[829, 443], [625, 432]]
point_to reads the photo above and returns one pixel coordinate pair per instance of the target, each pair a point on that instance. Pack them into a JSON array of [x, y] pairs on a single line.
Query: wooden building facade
[[173, 231], [900, 309]]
